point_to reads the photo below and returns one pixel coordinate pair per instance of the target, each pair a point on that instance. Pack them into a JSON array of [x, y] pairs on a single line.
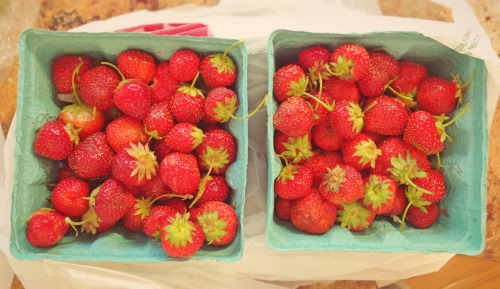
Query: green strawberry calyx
[[318, 100], [367, 151], [404, 170], [89, 222], [287, 173], [342, 68], [222, 61], [353, 215], [225, 110], [356, 117], [146, 162], [297, 149], [414, 196], [142, 207], [213, 227], [318, 72], [377, 192], [461, 87], [441, 125], [179, 231], [299, 87], [334, 179]]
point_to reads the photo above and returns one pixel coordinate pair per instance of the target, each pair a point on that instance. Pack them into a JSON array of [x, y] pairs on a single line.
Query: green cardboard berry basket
[[37, 104], [462, 224]]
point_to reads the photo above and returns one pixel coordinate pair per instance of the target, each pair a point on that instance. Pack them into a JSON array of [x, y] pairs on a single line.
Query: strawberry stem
[[283, 158], [261, 104], [203, 183], [328, 107], [411, 183], [402, 226], [231, 46], [461, 87], [438, 156], [73, 82], [115, 67], [194, 80], [459, 115]]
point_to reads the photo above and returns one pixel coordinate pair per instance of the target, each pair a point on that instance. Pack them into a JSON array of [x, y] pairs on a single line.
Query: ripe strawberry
[[361, 152], [217, 151], [184, 64], [313, 214], [400, 202], [69, 197], [135, 165], [321, 112], [134, 218], [350, 61], [405, 85], [293, 182], [83, 120], [326, 137], [63, 68], [179, 205], [64, 172], [187, 104], [313, 60], [154, 189], [342, 184], [123, 130], [295, 150], [434, 183], [97, 85], [163, 85], [181, 238], [132, 97], [438, 96], [423, 218], [159, 120], [220, 105], [45, 227], [180, 172], [216, 188], [294, 117], [219, 69], [184, 137], [112, 201], [380, 194], [54, 141], [385, 115], [383, 68], [156, 220], [218, 221], [160, 148], [288, 81], [319, 162], [355, 216], [92, 158], [136, 64], [341, 89], [282, 208], [347, 119]]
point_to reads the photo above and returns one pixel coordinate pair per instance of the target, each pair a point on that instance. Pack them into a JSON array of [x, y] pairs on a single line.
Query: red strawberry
[[347, 119], [65, 172], [220, 105], [83, 120], [435, 187], [215, 189], [350, 61], [53, 141], [179, 205], [184, 64], [385, 115], [218, 221], [92, 158], [97, 85], [155, 188], [282, 208], [295, 150], [63, 68], [159, 120], [180, 172], [354, 216], [181, 238], [342, 184], [164, 85], [313, 214], [45, 227], [136, 64], [135, 165], [318, 164], [360, 152], [326, 137], [380, 194], [423, 218], [217, 151], [411, 75], [69, 197], [294, 117], [400, 202], [112, 201], [321, 112], [160, 148], [293, 182], [134, 218], [313, 60], [123, 130], [187, 104], [439, 96], [219, 69], [288, 81], [383, 68], [156, 220], [133, 98], [184, 137], [341, 89]]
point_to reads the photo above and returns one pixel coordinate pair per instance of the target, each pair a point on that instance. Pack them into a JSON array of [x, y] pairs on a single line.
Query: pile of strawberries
[[356, 131], [144, 144]]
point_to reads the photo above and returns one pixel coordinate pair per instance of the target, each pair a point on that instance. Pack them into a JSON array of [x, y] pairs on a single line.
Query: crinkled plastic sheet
[[260, 267]]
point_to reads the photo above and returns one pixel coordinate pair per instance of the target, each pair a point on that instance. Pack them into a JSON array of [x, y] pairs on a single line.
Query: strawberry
[[313, 214], [112, 201], [159, 120], [123, 130], [294, 117], [354, 216], [219, 69], [63, 68], [180, 172], [385, 115], [179, 205], [217, 151], [405, 85], [319, 162], [423, 218], [156, 219], [347, 119], [45, 227], [160, 148], [342, 184], [326, 137], [218, 221], [82, 119], [132, 97], [92, 158], [361, 152], [184, 64], [313, 60], [282, 208], [400, 202], [434, 183], [154, 188], [187, 104], [216, 188], [164, 85], [184, 137], [350, 61], [295, 150], [288, 81], [135, 165], [136, 64], [70, 197], [92, 224], [64, 172], [134, 218], [180, 237], [97, 85], [438, 96], [383, 68], [54, 141], [220, 105], [380, 194], [321, 112], [293, 182], [341, 89]]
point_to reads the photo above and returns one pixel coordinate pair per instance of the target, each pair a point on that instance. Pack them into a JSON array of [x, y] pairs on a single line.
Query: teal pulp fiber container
[[37, 104], [461, 226]]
